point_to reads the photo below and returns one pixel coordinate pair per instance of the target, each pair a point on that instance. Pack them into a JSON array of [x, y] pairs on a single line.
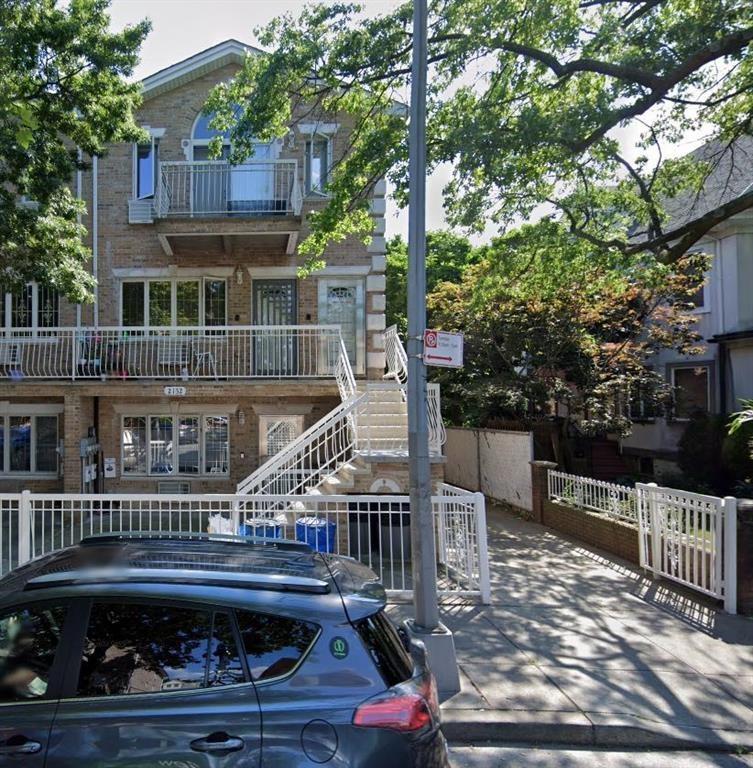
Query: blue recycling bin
[[317, 532], [261, 527]]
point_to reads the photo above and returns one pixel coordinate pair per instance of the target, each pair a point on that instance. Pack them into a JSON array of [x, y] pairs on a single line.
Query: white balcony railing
[[217, 188], [187, 353]]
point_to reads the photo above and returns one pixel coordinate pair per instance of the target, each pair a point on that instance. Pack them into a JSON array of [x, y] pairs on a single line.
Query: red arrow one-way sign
[[443, 348]]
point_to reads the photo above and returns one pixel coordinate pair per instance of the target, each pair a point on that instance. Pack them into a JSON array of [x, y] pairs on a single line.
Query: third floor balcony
[[217, 189]]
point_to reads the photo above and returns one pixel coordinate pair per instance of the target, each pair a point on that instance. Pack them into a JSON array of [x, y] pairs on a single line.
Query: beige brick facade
[[238, 249]]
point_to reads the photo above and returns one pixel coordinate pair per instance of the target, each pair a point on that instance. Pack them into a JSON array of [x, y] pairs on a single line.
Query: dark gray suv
[[189, 652]]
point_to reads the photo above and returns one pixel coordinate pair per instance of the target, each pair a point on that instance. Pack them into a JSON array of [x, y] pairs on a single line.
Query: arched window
[[202, 131]]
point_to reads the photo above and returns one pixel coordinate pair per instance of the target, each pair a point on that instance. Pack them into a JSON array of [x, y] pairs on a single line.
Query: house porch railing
[[177, 352]]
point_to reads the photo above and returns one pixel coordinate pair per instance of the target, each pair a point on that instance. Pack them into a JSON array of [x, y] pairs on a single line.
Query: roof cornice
[[216, 57]]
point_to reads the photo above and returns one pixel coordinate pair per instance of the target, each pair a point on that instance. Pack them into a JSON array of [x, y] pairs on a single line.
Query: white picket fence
[[617, 501], [690, 538], [687, 537], [374, 529]]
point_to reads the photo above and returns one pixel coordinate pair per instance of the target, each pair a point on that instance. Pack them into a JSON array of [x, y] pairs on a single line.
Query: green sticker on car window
[[338, 647]]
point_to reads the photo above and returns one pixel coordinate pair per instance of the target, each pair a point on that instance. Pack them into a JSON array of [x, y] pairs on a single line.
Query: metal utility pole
[[437, 639], [422, 525]]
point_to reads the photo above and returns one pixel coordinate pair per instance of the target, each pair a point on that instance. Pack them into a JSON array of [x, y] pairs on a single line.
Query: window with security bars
[[277, 432], [32, 310]]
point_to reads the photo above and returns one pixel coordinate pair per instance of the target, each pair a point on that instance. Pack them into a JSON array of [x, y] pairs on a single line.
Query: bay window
[[175, 445], [178, 302], [28, 443]]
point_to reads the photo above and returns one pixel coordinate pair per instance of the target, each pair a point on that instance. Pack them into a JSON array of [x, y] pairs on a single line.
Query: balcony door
[[219, 187], [252, 184], [275, 348]]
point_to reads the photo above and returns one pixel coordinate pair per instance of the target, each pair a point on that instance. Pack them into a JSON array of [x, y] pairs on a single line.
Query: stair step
[[353, 468]]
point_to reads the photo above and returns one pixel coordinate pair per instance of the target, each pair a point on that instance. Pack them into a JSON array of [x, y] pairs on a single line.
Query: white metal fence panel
[[690, 538], [374, 529], [462, 538], [617, 501]]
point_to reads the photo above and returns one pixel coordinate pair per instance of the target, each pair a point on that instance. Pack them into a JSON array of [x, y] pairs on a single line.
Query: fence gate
[[690, 538]]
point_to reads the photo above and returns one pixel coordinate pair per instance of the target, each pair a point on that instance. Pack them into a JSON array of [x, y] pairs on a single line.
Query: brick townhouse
[[203, 353]]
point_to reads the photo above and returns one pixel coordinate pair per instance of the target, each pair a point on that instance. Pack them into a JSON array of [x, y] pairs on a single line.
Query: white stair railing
[[317, 453], [346, 431], [397, 369], [396, 358], [320, 450], [437, 433]]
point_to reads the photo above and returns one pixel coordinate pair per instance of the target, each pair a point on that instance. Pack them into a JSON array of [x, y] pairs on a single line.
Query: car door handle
[[218, 742], [19, 745]]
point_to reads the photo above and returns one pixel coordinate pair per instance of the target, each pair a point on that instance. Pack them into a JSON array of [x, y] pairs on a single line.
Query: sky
[[181, 28]]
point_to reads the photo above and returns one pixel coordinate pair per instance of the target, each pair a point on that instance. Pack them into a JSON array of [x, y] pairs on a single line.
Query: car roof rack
[[208, 577], [222, 538]]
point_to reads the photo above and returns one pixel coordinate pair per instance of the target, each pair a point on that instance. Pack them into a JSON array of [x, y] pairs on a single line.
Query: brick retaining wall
[[612, 536]]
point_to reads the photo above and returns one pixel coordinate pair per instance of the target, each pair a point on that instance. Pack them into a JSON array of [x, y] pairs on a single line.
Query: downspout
[[79, 196], [99, 486], [95, 239]]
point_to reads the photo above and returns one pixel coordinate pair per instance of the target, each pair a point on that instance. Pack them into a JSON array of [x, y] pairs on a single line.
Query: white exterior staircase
[[371, 422]]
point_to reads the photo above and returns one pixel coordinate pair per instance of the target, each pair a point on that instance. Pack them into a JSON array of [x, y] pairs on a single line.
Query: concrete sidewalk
[[580, 649]]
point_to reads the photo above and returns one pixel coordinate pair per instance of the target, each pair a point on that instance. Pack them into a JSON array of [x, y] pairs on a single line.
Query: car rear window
[[150, 648], [274, 645], [383, 642]]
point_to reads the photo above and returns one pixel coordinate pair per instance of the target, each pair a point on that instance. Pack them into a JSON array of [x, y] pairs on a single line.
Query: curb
[[575, 729]]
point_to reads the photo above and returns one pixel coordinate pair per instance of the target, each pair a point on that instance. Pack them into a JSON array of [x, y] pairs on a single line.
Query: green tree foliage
[[714, 460], [62, 88], [554, 324], [447, 257], [570, 104]]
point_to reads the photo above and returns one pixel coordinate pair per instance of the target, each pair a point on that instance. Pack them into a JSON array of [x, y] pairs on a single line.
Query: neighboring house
[[718, 379], [203, 355]]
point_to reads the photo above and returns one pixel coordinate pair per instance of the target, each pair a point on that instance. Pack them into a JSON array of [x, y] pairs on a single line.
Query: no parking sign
[[443, 349]]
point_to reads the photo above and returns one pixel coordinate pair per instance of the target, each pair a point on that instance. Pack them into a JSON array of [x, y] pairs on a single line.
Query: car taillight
[[431, 695], [400, 712]]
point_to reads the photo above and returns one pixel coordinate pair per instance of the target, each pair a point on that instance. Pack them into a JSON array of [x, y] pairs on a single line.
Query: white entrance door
[[341, 302]]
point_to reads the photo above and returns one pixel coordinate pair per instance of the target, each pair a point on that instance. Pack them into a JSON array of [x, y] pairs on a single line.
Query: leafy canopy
[[62, 88], [574, 105], [447, 257], [554, 324]]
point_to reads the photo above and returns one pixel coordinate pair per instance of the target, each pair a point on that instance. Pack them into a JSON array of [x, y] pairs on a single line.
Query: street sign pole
[[438, 641]]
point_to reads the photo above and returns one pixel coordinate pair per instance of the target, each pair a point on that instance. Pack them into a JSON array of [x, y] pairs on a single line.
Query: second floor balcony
[[217, 189], [176, 353]]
